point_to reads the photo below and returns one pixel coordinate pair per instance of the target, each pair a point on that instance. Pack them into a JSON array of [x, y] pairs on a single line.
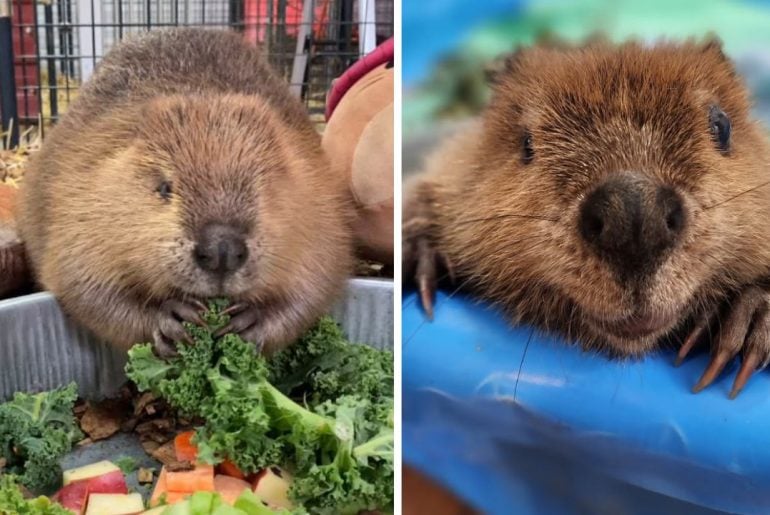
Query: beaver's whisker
[[507, 215], [736, 196]]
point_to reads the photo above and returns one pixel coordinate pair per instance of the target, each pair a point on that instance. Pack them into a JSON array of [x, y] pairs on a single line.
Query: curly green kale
[[324, 365], [331, 428], [127, 464], [36, 431], [12, 502]]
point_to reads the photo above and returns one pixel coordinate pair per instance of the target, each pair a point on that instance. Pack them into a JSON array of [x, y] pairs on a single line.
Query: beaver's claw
[[246, 322], [427, 262], [425, 276], [745, 327], [170, 329]]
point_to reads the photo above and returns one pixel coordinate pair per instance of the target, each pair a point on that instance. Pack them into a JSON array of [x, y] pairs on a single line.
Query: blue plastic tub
[[516, 422]]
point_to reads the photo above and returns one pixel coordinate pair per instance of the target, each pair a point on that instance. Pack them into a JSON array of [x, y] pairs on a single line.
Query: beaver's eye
[[165, 190], [529, 152], [719, 125]]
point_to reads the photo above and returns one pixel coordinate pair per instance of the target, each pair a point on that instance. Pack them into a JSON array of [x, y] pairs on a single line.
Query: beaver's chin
[[202, 289], [636, 333], [205, 289]]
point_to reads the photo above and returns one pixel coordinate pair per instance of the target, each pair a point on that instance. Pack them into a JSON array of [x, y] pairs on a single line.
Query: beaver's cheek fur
[[184, 276]]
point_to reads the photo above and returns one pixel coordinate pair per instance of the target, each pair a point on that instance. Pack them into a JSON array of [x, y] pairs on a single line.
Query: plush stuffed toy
[[13, 267], [359, 141]]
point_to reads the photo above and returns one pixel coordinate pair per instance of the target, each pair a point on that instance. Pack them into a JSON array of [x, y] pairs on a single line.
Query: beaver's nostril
[[594, 217], [593, 225], [675, 217], [200, 255]]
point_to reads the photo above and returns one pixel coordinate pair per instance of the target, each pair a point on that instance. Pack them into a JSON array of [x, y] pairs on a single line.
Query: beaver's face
[[218, 208], [613, 165]]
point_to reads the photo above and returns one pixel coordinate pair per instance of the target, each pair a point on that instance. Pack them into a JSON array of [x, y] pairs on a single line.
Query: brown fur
[[510, 229], [202, 110]]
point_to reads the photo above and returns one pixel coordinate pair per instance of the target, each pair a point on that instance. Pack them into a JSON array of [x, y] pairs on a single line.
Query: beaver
[[617, 195], [183, 171]]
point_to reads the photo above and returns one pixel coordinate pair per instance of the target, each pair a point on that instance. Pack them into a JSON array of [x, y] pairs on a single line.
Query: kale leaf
[[36, 431], [322, 409], [12, 502]]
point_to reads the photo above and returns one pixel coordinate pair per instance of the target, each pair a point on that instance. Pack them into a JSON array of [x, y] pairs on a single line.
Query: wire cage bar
[[55, 45]]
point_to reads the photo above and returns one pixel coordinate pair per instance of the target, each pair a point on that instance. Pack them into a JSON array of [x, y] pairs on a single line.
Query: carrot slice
[[199, 479], [230, 488], [160, 488], [184, 449], [228, 468]]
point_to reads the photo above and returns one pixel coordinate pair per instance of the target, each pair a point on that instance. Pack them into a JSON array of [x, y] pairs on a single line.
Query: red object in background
[[25, 59], [379, 56], [257, 18]]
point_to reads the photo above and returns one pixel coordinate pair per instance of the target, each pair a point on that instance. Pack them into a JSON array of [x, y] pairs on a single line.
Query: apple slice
[[110, 483], [272, 486], [230, 488], [155, 511], [74, 497], [93, 470], [115, 504]]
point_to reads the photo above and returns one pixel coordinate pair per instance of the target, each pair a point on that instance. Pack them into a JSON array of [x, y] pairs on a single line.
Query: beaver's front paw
[[743, 327], [246, 322], [170, 328]]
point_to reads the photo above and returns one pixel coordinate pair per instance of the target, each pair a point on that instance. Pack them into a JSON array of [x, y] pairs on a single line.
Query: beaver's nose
[[631, 223], [221, 249]]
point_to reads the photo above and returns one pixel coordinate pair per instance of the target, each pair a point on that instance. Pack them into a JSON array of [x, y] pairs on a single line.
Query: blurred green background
[[448, 45]]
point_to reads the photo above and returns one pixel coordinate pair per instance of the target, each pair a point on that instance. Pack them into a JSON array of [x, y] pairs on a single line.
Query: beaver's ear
[[506, 65], [713, 45], [170, 108]]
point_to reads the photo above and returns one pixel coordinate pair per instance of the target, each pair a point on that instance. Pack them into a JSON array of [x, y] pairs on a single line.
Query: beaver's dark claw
[[745, 327], [162, 345], [245, 322], [428, 262], [170, 329], [185, 311], [234, 309]]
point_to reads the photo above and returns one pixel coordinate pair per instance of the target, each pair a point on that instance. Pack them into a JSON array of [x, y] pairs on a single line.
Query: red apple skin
[[254, 478], [111, 483], [73, 497], [99, 468]]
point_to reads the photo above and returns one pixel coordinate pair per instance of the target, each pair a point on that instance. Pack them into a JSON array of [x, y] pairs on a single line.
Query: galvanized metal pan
[[41, 348]]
